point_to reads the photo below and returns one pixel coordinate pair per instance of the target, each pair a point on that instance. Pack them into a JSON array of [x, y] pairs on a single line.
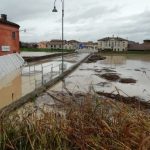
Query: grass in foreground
[[89, 124]]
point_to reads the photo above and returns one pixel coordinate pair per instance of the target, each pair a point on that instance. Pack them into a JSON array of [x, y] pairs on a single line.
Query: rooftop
[[115, 38], [3, 20]]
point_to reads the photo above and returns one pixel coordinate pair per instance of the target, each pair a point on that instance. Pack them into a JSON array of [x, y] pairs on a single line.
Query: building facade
[[69, 46], [113, 43], [90, 45], [74, 43], [55, 44], [9, 36], [43, 44], [145, 46]]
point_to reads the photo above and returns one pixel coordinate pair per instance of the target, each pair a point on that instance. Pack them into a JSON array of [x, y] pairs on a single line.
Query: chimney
[[3, 17]]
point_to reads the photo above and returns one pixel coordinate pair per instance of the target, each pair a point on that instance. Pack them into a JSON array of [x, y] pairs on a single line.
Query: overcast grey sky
[[84, 19]]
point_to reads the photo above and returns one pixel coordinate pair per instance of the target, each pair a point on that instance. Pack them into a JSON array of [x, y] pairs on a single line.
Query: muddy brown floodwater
[[22, 82], [135, 68]]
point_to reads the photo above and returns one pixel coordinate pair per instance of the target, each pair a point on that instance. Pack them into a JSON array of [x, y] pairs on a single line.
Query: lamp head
[[54, 10]]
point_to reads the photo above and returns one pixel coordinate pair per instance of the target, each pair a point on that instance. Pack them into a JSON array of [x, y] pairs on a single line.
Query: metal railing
[[41, 74]]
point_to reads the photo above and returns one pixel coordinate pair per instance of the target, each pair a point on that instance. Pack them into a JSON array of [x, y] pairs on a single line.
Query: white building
[[69, 46], [113, 43], [57, 44]]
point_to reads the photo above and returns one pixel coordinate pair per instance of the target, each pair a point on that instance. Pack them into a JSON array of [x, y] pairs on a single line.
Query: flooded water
[[22, 82], [10, 91], [87, 76]]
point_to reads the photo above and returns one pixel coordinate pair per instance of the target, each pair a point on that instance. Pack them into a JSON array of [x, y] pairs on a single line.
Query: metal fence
[[38, 75]]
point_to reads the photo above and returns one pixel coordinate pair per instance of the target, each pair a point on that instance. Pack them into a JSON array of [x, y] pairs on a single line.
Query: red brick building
[[9, 36], [133, 46]]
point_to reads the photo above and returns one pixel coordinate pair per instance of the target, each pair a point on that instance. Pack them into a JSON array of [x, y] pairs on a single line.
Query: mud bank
[[135, 102], [115, 77], [95, 57], [38, 58]]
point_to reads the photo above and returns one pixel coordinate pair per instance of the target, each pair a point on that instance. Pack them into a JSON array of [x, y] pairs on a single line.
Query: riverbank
[[78, 121], [45, 57]]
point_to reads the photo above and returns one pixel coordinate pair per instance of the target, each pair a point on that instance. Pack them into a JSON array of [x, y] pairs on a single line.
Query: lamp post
[[55, 10]]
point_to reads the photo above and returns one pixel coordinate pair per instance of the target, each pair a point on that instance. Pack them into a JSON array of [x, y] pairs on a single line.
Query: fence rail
[[40, 74]]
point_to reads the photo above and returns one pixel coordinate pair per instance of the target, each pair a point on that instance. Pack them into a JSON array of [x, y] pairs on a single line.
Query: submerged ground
[[127, 66]]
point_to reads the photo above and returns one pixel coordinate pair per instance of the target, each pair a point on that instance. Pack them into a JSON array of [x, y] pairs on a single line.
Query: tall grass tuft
[[90, 123]]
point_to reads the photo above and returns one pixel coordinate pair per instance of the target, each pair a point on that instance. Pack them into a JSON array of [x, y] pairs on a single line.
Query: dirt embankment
[[115, 77], [135, 102], [38, 58], [94, 58]]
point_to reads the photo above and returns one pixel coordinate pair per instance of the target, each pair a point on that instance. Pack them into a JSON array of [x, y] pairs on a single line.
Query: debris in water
[[127, 80], [110, 76]]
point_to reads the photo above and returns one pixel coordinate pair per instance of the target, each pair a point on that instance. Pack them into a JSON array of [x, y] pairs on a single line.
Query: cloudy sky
[[85, 20]]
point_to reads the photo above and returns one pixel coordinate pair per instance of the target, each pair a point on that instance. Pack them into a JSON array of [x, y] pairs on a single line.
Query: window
[[14, 35]]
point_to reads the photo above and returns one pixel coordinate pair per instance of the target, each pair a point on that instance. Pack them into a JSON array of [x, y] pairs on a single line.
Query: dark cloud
[[95, 12], [134, 27], [84, 20]]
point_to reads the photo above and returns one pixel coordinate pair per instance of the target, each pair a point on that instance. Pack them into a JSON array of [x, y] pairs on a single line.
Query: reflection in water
[[115, 60], [10, 89], [144, 58]]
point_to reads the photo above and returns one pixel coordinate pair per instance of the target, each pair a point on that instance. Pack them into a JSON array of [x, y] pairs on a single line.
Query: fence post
[[29, 69], [42, 76], [60, 68], [21, 70], [35, 83], [34, 69], [51, 72]]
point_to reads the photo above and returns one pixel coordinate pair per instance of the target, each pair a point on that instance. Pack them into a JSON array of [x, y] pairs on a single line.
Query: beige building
[[74, 43], [91, 45], [55, 44], [42, 44], [113, 43], [69, 46]]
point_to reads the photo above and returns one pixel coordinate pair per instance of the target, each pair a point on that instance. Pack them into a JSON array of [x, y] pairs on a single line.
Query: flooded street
[[88, 76], [25, 80]]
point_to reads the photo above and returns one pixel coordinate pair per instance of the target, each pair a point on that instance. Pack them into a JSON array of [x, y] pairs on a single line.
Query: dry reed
[[90, 123]]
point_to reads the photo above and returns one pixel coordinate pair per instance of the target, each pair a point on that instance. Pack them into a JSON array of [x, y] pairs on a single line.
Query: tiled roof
[[57, 42], [9, 23], [116, 38], [73, 41]]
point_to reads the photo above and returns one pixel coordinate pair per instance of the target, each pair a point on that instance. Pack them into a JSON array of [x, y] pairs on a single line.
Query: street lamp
[[55, 10]]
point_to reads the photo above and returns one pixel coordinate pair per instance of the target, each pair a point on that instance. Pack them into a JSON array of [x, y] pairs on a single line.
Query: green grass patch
[[44, 50]]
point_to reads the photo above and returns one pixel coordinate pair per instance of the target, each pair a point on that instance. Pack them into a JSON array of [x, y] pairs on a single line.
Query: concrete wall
[[9, 63]]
